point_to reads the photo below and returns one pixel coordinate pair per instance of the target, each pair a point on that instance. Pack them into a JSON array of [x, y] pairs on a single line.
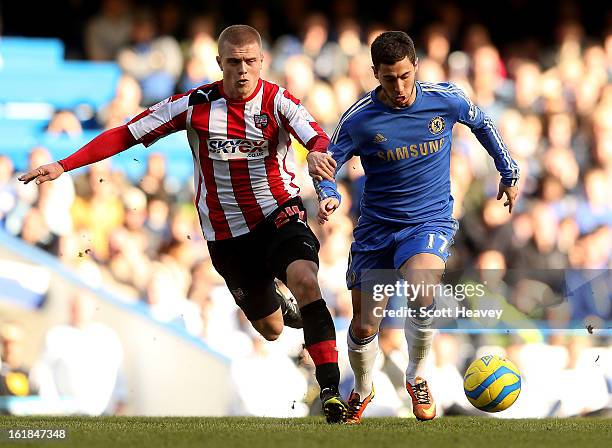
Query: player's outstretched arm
[[511, 195], [105, 145], [487, 134]]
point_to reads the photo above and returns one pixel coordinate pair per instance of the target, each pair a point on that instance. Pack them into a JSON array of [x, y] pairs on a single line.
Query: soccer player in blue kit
[[402, 132]]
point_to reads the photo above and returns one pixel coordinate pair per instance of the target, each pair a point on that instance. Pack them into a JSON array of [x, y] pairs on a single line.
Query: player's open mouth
[[242, 82]]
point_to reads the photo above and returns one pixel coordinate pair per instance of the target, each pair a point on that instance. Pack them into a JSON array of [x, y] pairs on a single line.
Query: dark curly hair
[[392, 46]]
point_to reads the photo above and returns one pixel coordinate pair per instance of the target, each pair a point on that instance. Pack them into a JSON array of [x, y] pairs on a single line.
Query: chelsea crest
[[436, 125]]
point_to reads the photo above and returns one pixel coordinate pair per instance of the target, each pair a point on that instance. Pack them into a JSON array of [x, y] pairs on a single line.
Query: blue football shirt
[[405, 152]]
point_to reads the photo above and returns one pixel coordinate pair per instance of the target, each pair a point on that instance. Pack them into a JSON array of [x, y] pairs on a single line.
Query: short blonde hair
[[239, 35]]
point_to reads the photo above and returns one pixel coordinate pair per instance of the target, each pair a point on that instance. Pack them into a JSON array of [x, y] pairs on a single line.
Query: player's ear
[[375, 71], [416, 64], [219, 62]]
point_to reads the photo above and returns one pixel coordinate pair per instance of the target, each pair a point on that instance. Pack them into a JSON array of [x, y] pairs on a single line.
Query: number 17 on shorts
[[437, 242], [430, 241]]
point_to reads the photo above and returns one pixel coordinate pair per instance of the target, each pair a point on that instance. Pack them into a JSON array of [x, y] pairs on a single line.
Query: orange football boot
[[357, 406], [423, 405]]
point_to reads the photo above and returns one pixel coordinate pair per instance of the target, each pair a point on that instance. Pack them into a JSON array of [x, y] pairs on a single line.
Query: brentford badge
[[261, 120]]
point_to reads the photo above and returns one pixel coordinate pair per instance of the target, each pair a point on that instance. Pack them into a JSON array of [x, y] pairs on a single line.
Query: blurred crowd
[[553, 107]]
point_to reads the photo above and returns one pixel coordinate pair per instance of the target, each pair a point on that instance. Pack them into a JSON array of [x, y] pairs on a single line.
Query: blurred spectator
[[321, 103], [561, 163], [28, 194], [527, 87], [155, 61], [595, 209], [53, 202], [200, 50], [437, 44], [100, 211], [35, 232], [349, 38], [594, 394], [260, 20], [153, 181], [124, 106], [588, 285], [542, 251], [299, 75], [8, 195], [64, 122], [489, 231], [156, 225], [490, 87], [84, 360], [127, 245], [170, 19], [447, 379], [475, 37], [14, 375], [166, 295], [322, 58], [346, 91], [314, 35], [401, 15], [251, 375], [430, 71], [109, 31]]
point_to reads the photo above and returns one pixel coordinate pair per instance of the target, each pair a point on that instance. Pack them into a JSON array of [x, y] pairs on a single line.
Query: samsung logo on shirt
[[412, 151], [237, 148]]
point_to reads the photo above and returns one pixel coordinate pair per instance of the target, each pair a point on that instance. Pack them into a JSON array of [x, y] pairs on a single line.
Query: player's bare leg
[[362, 351], [319, 336], [271, 326], [302, 281], [421, 269]]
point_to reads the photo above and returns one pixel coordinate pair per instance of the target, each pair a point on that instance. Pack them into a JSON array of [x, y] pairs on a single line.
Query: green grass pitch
[[230, 432]]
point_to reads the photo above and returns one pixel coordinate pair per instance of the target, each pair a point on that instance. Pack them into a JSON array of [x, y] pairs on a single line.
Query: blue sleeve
[[341, 148], [487, 134]]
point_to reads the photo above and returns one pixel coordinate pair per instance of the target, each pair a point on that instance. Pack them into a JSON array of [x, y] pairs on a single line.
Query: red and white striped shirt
[[243, 168]]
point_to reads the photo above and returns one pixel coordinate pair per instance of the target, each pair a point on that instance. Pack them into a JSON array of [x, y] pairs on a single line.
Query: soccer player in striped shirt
[[402, 132], [239, 131]]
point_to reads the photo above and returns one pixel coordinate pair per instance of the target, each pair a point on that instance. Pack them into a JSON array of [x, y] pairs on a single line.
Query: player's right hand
[[42, 173], [326, 207], [321, 165]]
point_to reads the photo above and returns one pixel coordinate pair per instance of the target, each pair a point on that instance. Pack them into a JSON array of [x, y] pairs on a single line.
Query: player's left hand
[[326, 207], [511, 194], [321, 165]]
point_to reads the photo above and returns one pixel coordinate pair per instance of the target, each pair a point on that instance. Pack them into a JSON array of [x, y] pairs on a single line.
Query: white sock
[[419, 336], [362, 355]]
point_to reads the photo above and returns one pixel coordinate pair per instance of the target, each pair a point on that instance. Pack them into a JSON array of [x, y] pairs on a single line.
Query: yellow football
[[492, 383]]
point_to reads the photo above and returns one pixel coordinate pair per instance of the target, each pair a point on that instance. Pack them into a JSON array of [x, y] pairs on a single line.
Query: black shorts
[[249, 263]]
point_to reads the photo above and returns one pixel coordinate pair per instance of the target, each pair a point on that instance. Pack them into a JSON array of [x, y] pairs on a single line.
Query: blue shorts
[[382, 247]]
